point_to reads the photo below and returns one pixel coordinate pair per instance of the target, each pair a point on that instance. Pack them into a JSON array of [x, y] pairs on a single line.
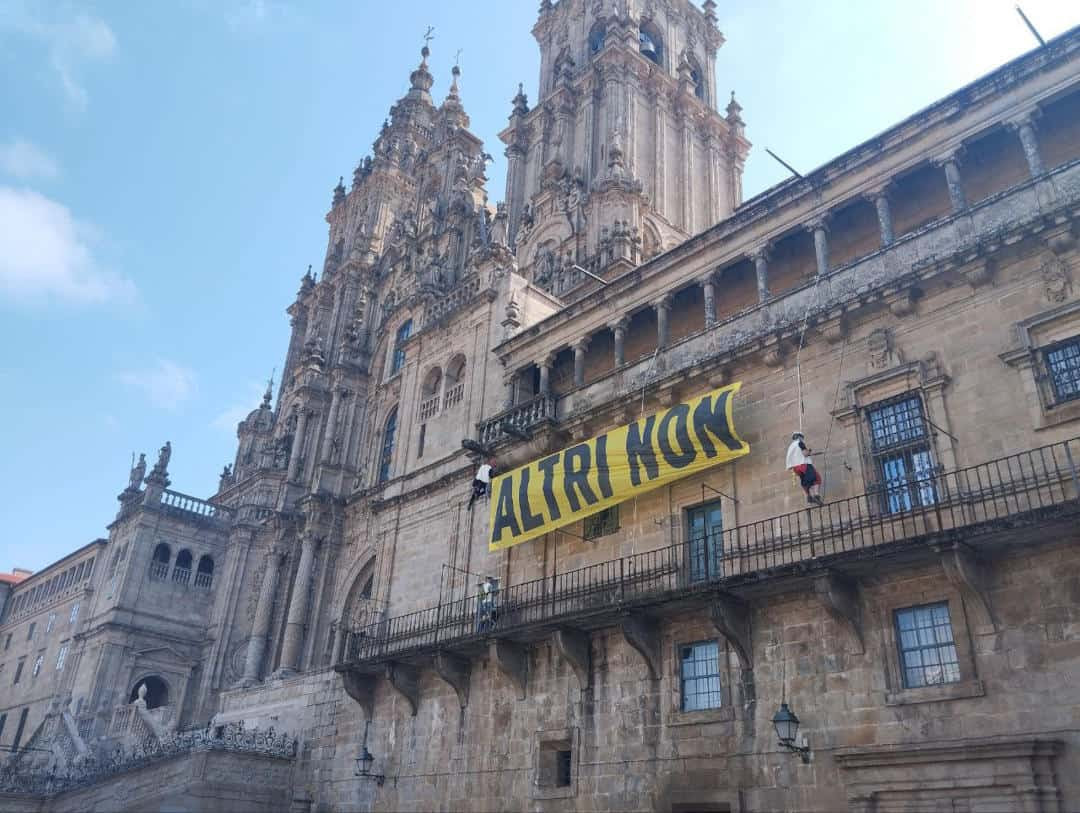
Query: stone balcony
[[963, 517]]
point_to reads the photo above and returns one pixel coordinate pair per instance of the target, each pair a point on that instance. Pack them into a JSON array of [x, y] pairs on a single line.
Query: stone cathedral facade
[[330, 630]]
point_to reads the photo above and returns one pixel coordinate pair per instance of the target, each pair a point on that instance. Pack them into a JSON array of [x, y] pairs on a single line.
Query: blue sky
[[165, 169]]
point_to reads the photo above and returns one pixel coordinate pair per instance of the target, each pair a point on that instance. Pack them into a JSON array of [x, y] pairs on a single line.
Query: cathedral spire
[[421, 80], [269, 394], [452, 109]]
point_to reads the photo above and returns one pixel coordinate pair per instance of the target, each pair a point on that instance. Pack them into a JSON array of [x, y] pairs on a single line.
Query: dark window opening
[[19, 729], [556, 766], [601, 523], [386, 457], [182, 569], [423, 436], [650, 45], [403, 334], [204, 575], [928, 654], [596, 39], [900, 447], [18, 670], [1063, 366], [562, 768]]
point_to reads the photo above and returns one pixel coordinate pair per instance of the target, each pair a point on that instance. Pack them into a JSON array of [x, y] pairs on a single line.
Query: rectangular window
[[60, 656], [402, 335], [601, 523], [423, 435], [900, 446], [705, 541], [74, 613], [699, 676], [30, 631], [927, 651], [3, 719], [19, 729], [7, 642], [1063, 365], [18, 670], [40, 659], [563, 760], [49, 625]]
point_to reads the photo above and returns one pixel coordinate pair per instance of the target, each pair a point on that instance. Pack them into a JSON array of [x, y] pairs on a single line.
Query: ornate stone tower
[[625, 154]]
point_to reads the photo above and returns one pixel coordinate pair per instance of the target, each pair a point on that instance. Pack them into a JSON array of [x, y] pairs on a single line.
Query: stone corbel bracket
[[574, 647], [840, 597], [361, 688], [455, 671], [643, 634], [406, 680], [513, 660], [731, 617], [971, 577]]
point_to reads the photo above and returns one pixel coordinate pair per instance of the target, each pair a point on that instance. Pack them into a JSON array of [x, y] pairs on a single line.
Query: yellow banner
[[580, 480]]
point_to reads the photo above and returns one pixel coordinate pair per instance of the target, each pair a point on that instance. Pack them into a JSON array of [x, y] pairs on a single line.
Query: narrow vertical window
[[705, 541], [386, 457], [402, 335], [700, 676]]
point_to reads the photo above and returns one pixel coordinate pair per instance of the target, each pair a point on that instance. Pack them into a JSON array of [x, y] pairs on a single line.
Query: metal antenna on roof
[[1030, 26], [787, 166]]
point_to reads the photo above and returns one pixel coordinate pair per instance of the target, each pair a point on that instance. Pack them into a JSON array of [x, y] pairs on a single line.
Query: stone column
[[708, 289], [950, 163], [297, 445], [260, 630], [298, 606], [760, 256], [663, 308], [880, 197], [331, 425], [580, 346], [545, 366], [820, 229], [619, 329], [1025, 129]]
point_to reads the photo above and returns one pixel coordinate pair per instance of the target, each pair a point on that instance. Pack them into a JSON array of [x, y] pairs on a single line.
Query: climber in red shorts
[[798, 460]]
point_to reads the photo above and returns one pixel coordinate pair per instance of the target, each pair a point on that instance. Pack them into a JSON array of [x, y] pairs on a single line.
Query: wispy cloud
[[167, 385], [254, 15], [229, 417], [46, 254], [25, 161], [71, 37]]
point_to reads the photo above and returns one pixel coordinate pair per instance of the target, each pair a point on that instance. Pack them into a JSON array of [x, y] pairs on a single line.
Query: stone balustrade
[[521, 416]]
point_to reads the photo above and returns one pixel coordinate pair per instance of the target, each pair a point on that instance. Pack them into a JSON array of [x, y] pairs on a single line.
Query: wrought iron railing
[[232, 737], [972, 500], [520, 416]]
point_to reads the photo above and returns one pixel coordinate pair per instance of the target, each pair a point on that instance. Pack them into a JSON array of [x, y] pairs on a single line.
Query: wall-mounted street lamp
[[365, 761], [787, 729]]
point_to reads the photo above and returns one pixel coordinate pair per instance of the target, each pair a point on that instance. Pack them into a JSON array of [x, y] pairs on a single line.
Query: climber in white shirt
[[800, 464]]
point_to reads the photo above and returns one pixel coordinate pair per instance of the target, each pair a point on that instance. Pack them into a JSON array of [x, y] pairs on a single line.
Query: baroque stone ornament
[[882, 352], [1057, 284]]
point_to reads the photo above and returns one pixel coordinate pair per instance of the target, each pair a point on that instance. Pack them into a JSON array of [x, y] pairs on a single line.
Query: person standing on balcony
[[482, 482], [800, 464]]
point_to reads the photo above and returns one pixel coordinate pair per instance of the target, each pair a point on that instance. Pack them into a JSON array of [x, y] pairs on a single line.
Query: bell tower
[[625, 153]]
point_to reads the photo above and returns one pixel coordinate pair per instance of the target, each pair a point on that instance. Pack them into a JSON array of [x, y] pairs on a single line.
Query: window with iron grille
[[900, 448], [699, 676], [601, 523], [1063, 368], [928, 655]]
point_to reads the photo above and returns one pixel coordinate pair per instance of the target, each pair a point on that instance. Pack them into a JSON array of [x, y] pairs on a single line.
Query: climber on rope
[[800, 464], [482, 482]]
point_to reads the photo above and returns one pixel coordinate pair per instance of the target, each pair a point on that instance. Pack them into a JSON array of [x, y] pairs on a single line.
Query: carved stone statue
[[164, 455], [138, 472]]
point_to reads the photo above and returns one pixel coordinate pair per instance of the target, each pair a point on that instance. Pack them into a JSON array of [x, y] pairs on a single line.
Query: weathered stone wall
[[636, 751]]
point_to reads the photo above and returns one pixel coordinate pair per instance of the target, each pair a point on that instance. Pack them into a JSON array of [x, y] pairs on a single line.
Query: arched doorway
[[157, 692]]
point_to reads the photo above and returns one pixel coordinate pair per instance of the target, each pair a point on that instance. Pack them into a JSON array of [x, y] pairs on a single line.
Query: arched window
[[204, 576], [650, 44], [159, 562], [597, 37], [402, 335], [430, 390], [182, 569], [157, 692], [454, 388], [698, 78], [369, 585], [386, 457]]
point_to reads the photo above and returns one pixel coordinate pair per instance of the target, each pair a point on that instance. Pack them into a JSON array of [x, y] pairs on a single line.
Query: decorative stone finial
[[733, 111], [138, 472], [709, 7], [421, 80], [339, 190], [521, 101], [269, 394]]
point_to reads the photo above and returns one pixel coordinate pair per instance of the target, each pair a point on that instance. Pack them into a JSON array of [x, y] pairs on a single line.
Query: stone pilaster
[[663, 309], [708, 289], [297, 445], [260, 630], [298, 606]]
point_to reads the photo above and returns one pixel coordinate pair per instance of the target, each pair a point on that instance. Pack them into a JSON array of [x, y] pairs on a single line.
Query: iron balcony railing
[[1038, 483]]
